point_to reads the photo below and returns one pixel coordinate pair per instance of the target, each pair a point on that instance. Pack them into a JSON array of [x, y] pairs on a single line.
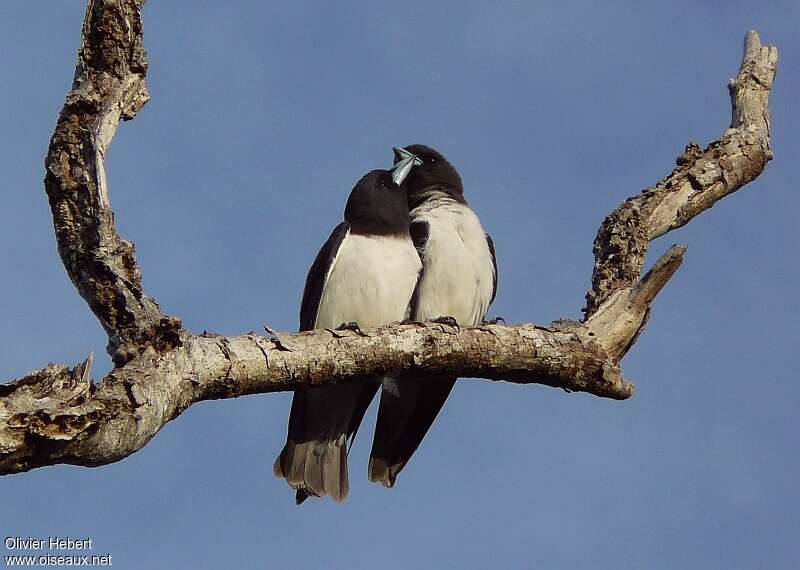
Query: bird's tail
[[314, 459], [314, 468], [408, 407]]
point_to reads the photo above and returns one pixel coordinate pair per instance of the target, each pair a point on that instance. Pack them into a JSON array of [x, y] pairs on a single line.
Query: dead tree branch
[[109, 85], [59, 415], [618, 303]]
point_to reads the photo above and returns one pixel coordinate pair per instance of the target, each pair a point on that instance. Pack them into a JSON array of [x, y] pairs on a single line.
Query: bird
[[364, 274], [458, 281]]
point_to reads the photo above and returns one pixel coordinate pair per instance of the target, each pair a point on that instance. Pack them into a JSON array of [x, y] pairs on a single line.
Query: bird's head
[[378, 202], [430, 172]]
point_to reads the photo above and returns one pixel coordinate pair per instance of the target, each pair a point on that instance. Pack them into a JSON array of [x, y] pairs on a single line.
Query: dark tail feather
[[295, 436], [314, 459], [364, 400], [406, 413], [300, 496]]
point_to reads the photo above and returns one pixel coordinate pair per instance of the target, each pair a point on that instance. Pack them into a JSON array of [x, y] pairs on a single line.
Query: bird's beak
[[401, 153], [401, 169]]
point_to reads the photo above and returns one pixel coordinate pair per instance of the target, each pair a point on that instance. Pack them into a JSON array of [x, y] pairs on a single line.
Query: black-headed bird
[[365, 273], [458, 280]]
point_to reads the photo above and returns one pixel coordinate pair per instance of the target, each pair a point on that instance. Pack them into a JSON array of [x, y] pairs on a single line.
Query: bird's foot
[[449, 321], [351, 326], [494, 321], [411, 322]]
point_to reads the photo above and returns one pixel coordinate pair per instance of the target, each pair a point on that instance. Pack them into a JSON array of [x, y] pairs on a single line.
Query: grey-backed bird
[[365, 273], [458, 280]]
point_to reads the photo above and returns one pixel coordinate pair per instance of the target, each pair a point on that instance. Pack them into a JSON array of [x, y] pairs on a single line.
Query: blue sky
[[263, 115]]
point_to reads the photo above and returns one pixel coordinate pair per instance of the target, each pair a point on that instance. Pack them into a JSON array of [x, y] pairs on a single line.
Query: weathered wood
[[109, 85], [58, 415], [700, 179]]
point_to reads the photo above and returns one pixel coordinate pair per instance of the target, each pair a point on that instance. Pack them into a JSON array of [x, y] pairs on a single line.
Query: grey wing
[[490, 243], [419, 235], [318, 274]]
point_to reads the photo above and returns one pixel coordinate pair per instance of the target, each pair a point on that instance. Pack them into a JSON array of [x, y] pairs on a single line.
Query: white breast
[[458, 273], [371, 281]]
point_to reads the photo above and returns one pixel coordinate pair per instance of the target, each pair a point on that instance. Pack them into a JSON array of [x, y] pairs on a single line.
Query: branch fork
[[58, 415]]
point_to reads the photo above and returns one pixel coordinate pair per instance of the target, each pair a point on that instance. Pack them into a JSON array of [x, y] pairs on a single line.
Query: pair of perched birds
[[409, 248]]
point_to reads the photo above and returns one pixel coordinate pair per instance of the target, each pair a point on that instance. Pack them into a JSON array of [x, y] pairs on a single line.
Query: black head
[[377, 205], [435, 173]]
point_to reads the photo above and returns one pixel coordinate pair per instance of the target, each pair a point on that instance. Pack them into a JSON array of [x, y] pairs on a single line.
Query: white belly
[[371, 282], [458, 273]]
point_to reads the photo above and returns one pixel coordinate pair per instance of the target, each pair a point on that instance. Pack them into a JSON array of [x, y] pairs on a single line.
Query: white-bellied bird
[[365, 274], [458, 280]]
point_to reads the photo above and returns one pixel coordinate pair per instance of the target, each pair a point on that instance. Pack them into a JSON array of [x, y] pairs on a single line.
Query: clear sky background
[[263, 116]]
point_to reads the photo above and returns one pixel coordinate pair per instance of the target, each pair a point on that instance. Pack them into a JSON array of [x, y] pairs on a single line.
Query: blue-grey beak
[[401, 153], [401, 169]]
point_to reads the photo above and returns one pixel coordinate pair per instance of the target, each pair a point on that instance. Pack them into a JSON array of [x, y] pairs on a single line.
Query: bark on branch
[[615, 309], [109, 85], [59, 415]]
